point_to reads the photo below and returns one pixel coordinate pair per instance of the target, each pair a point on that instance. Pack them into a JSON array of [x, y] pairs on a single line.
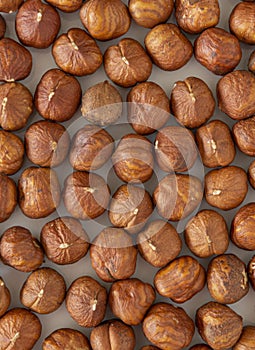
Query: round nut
[[11, 153], [8, 195], [66, 338], [244, 134], [5, 298], [251, 272], [242, 228], [66, 6], [2, 26], [246, 341], [10, 6], [241, 22]]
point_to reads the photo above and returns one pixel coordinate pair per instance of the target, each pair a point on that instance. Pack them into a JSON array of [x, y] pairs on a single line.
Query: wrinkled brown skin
[[251, 174], [195, 16], [86, 301], [149, 13], [20, 250], [8, 195], [75, 52], [2, 26], [168, 47], [16, 106], [86, 195], [236, 94], [113, 255], [66, 338], [10, 6], [192, 102], [130, 299], [242, 228], [201, 347], [127, 63], [251, 272], [133, 159], [217, 50], [112, 335], [148, 107], [168, 327], [64, 240], [218, 325], [246, 341], [159, 243], [11, 153], [227, 280], [19, 329], [226, 188], [67, 5], [251, 63], [244, 134], [5, 297], [241, 22], [215, 144], [206, 234]]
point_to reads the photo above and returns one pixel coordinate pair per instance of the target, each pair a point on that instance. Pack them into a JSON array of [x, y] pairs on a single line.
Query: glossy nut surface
[[66, 338], [242, 227], [8, 195], [11, 153], [5, 297], [241, 22]]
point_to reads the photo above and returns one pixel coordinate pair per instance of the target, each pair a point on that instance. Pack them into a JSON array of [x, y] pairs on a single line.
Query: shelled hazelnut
[[66, 338], [2, 26], [246, 341], [241, 22], [10, 6], [251, 272], [244, 134], [66, 5], [5, 297], [251, 174], [242, 228], [11, 153], [8, 195]]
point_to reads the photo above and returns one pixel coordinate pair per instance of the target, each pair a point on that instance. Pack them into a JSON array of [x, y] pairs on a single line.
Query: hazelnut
[[241, 22], [195, 16], [181, 279], [175, 149], [113, 255], [64, 240], [91, 148], [77, 53], [37, 24], [177, 195], [19, 63], [47, 143], [251, 174], [102, 104], [201, 347], [246, 341], [159, 243], [66, 5], [20, 250], [148, 107], [168, 327], [11, 153], [251, 63], [127, 63], [8, 195], [130, 208], [215, 144], [149, 14], [168, 47], [114, 18], [5, 298], [226, 188], [217, 50], [133, 159], [206, 234], [57, 95], [66, 338], [251, 272], [242, 228], [2, 26], [86, 195], [10, 6], [244, 134], [39, 192], [130, 299], [86, 301], [192, 102], [219, 325]]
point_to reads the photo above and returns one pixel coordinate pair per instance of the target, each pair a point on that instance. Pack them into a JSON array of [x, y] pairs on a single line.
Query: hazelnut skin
[[8, 195], [242, 227], [66, 5], [66, 338], [10, 6], [11, 153], [241, 22], [2, 27], [5, 297], [246, 341], [244, 134]]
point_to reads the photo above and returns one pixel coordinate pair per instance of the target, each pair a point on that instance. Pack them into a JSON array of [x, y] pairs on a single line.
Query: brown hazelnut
[[11, 153], [86, 195], [133, 159], [150, 13], [127, 63], [217, 50], [251, 63], [20, 250], [215, 144], [175, 149], [66, 338], [159, 243], [246, 341], [192, 102], [130, 208], [37, 24], [19, 63], [39, 192], [10, 6], [236, 94], [177, 195], [207, 234], [66, 5], [168, 327], [227, 279], [219, 325], [226, 188], [113, 255], [251, 174], [195, 16], [47, 143], [102, 104], [251, 272], [86, 301], [114, 18], [244, 134], [241, 22], [148, 107], [5, 297], [64, 240], [168, 47], [91, 148], [112, 334], [8, 195], [242, 228], [16, 106], [130, 299], [19, 329], [77, 53], [181, 279], [200, 347], [2, 26]]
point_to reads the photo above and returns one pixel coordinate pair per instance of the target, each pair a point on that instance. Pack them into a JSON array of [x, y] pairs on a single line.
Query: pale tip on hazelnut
[[136, 211], [152, 246], [156, 144], [94, 305], [125, 60], [89, 189], [63, 245], [74, 46], [13, 340], [216, 192], [1, 282], [253, 266], [51, 94], [244, 281], [39, 16], [40, 294]]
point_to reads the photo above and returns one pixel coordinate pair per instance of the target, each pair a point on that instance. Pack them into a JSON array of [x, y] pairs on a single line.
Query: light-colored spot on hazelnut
[[10, 80], [253, 266], [40, 294], [89, 189], [39, 16], [125, 60], [156, 144], [4, 103], [51, 94], [74, 45], [1, 283], [175, 320], [208, 240], [54, 145], [136, 211], [193, 98], [152, 246], [216, 192], [13, 341], [63, 245], [244, 280], [94, 305], [36, 244], [213, 144]]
